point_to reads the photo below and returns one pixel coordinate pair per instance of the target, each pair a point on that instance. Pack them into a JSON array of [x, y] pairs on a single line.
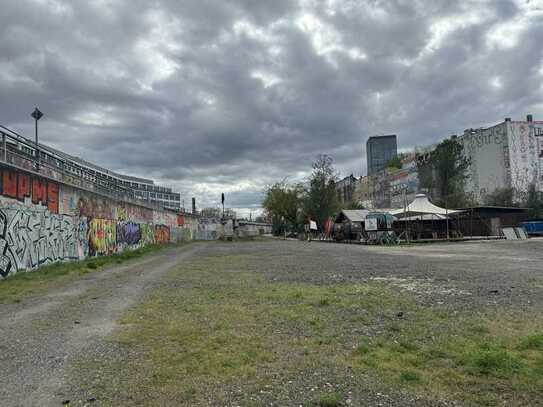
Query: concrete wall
[[488, 151], [43, 221], [508, 155], [525, 166]]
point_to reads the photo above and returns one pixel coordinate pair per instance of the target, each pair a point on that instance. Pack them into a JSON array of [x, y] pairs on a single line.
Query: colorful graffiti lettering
[[102, 237], [20, 186], [162, 234], [30, 238], [42, 221], [128, 233], [147, 233], [94, 208]]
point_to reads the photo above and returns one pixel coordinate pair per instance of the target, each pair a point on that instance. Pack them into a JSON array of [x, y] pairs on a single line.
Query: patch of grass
[[410, 376], [227, 332], [26, 283], [362, 349], [532, 342], [323, 302], [492, 360], [325, 400]]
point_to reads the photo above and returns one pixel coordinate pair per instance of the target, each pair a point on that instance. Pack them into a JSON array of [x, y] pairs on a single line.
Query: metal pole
[[37, 149], [447, 215], [4, 147], [471, 222]]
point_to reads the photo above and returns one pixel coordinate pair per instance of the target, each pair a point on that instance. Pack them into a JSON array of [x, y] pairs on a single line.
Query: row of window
[[152, 195], [151, 191]]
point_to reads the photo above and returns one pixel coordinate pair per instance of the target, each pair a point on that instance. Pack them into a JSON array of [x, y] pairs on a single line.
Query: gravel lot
[[43, 338], [466, 275]]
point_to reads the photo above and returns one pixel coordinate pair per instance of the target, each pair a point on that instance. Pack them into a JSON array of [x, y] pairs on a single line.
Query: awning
[[421, 205]]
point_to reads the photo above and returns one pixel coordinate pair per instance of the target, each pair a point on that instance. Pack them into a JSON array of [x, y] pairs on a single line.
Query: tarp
[[421, 205]]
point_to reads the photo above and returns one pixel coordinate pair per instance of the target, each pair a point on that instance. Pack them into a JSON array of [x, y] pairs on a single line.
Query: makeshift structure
[[349, 224], [422, 219], [421, 206]]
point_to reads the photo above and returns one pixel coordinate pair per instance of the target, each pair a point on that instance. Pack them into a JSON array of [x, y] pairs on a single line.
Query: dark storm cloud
[[211, 96]]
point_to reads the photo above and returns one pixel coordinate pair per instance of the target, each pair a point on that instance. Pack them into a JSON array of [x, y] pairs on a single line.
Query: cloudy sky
[[229, 95]]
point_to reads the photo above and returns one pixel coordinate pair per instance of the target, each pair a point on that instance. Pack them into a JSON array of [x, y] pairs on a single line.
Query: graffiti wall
[[25, 188], [525, 161], [82, 203], [509, 154], [44, 221], [31, 237], [102, 237]]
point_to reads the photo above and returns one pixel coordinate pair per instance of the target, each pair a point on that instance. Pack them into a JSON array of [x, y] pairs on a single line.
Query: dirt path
[[41, 336]]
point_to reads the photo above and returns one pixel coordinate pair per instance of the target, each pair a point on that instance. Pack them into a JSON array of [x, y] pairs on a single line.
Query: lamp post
[[222, 201], [37, 115]]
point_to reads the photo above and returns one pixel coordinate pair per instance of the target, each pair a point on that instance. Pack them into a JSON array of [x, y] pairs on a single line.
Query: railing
[[20, 153]]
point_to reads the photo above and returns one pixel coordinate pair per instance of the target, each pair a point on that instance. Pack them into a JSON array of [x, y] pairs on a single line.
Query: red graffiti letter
[[52, 197], [39, 191], [23, 186], [9, 184]]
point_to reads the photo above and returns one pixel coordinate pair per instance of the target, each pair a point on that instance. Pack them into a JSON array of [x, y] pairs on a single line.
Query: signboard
[[312, 225], [370, 224]]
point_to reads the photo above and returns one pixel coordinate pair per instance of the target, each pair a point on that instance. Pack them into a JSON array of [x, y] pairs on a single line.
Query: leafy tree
[[321, 198], [445, 173], [395, 162], [355, 205], [501, 197], [283, 204], [534, 202]]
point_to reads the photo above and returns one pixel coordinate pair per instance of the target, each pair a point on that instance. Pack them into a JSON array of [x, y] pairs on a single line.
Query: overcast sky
[[209, 96]]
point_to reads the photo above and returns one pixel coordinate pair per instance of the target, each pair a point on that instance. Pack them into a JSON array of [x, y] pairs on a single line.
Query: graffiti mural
[[82, 237], [162, 234], [165, 218], [128, 234], [82, 203], [147, 233], [42, 222], [102, 237], [21, 186], [30, 238], [134, 213]]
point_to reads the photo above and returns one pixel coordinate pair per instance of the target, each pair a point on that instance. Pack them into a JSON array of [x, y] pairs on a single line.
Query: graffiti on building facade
[[134, 213], [162, 234], [21, 186], [128, 234], [42, 222], [30, 238], [102, 237]]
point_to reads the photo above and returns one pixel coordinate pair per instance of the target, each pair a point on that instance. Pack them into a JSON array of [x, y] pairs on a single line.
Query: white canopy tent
[[421, 206]]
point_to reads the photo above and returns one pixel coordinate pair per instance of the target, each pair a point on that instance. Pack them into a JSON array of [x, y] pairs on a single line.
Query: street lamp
[[37, 115]]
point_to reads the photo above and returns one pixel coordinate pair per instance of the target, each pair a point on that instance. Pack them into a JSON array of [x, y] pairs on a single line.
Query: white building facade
[[507, 155]]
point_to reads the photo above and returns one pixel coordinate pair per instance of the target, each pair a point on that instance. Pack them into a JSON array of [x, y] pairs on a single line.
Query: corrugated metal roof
[[355, 215]]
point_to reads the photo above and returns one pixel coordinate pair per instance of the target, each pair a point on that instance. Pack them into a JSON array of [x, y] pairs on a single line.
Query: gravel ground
[[43, 336], [465, 275]]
